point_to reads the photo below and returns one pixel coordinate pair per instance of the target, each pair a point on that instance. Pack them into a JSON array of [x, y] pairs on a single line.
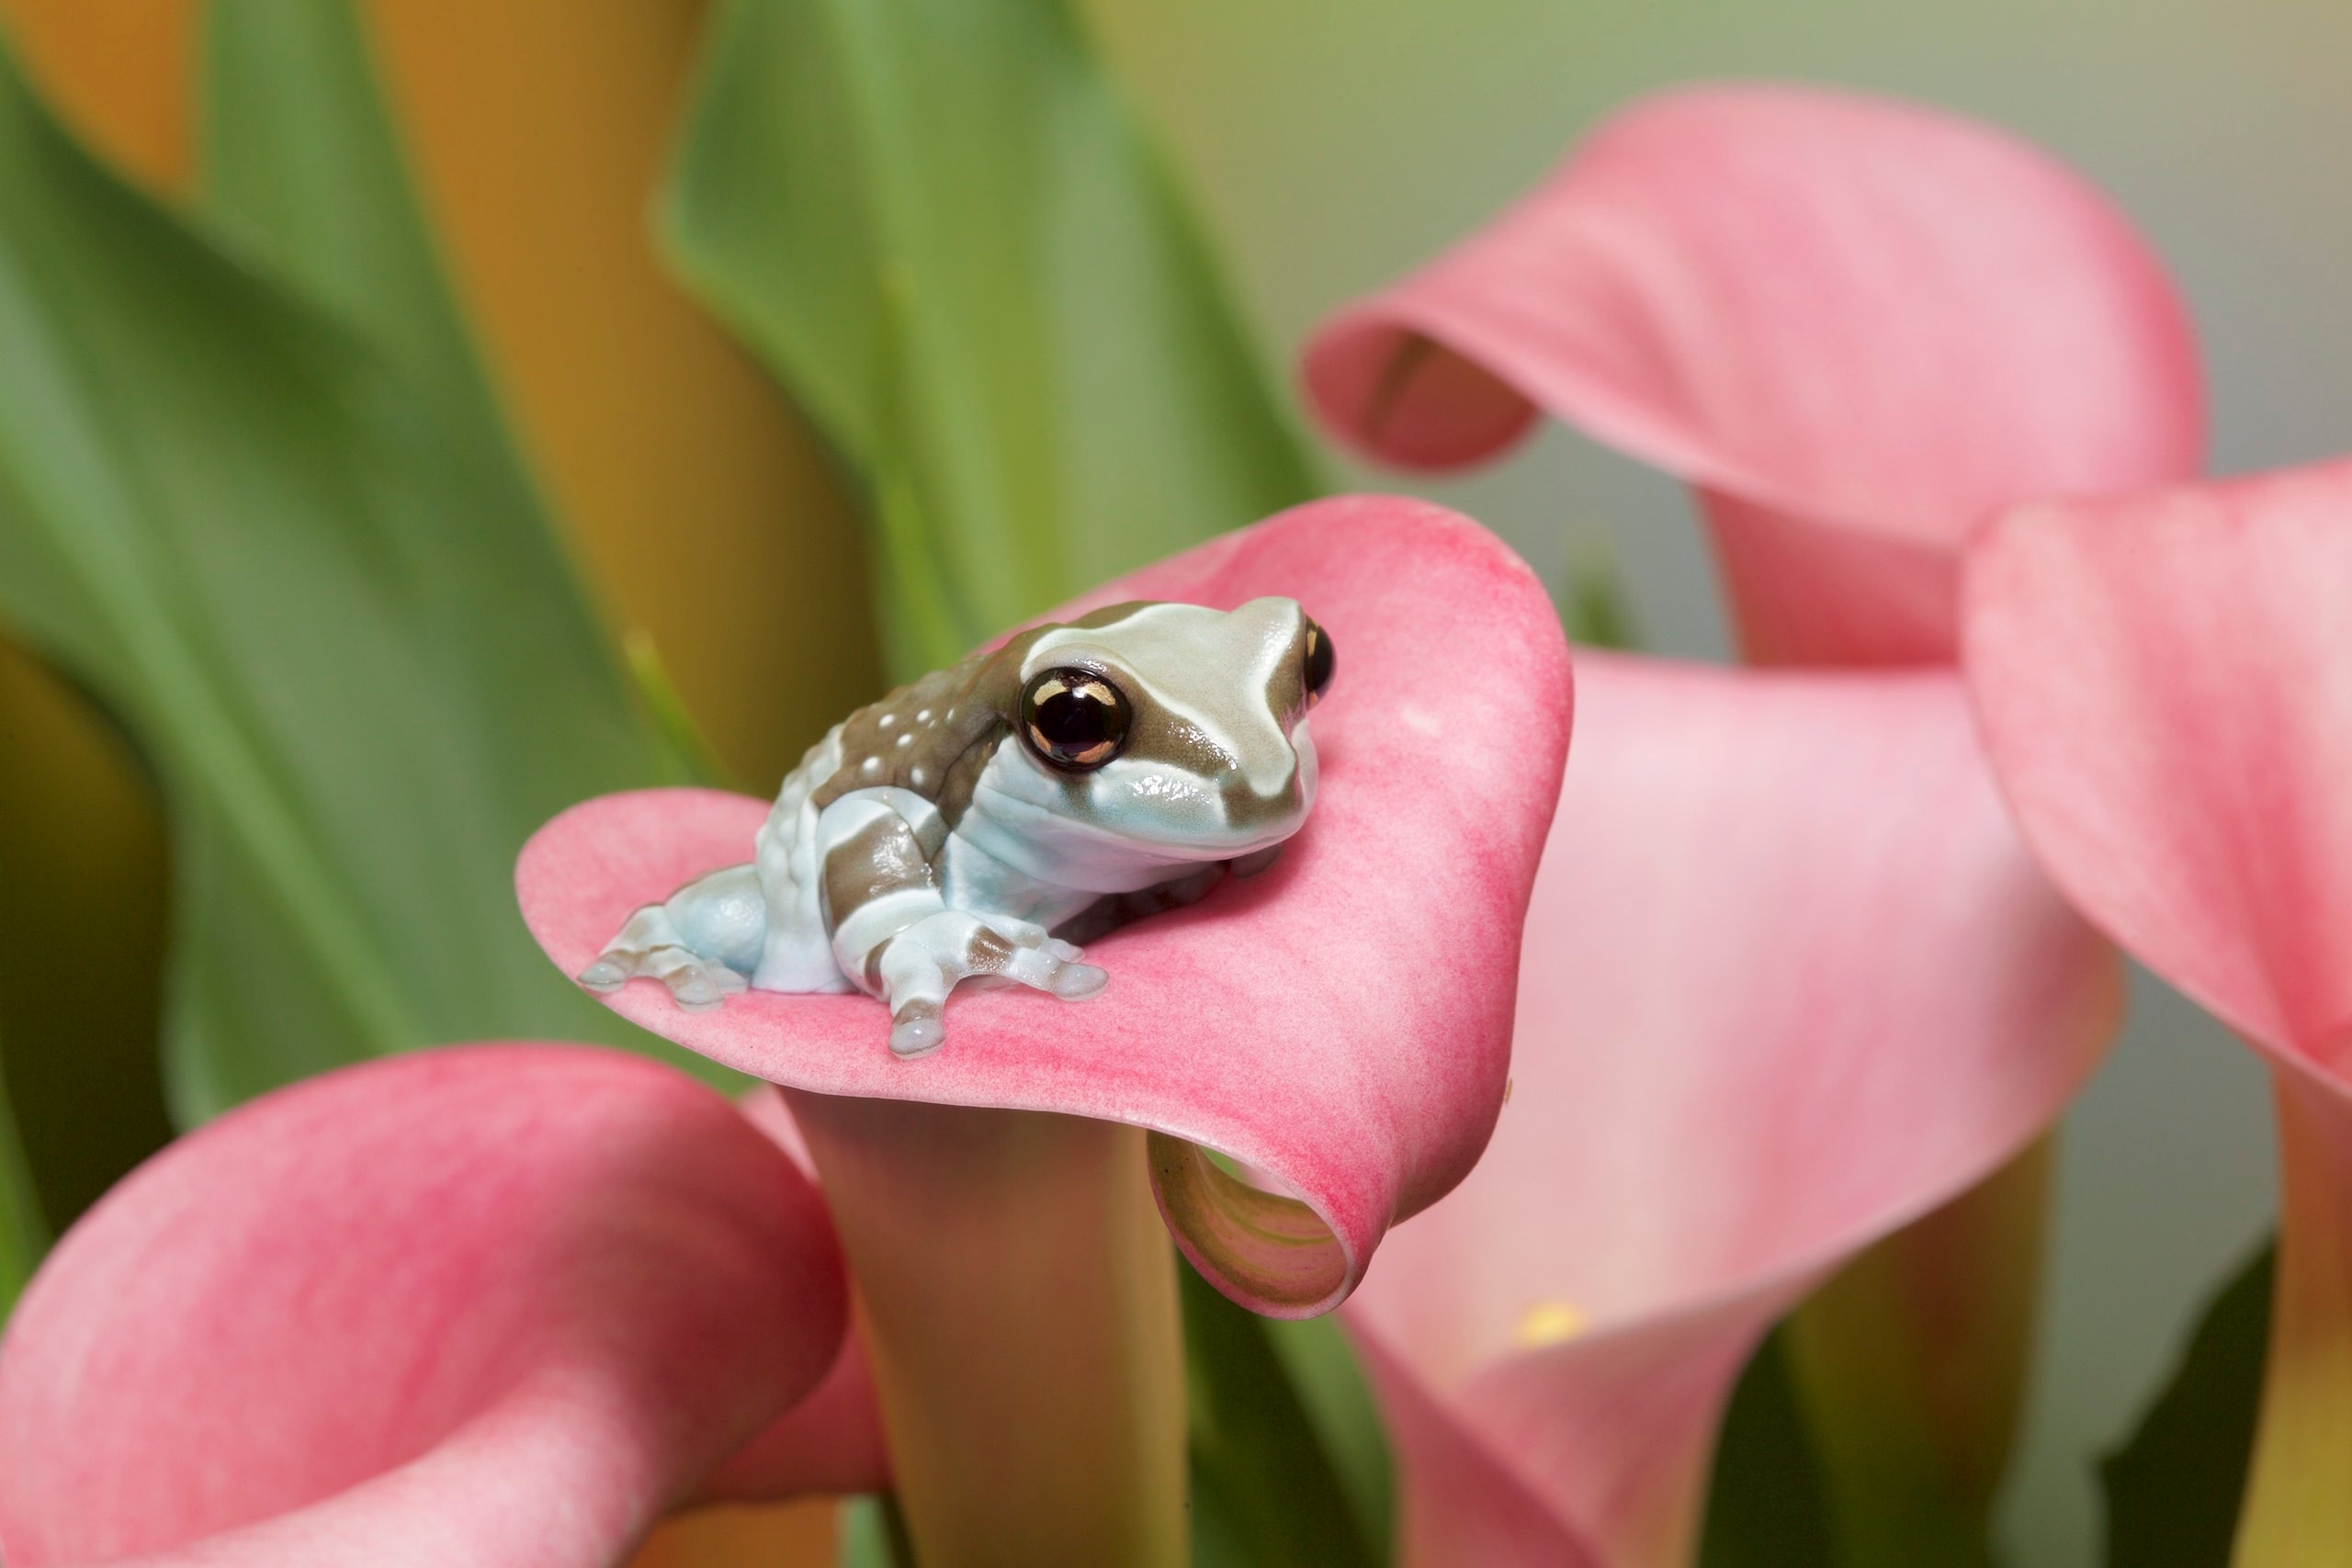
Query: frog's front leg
[[703, 943], [893, 932]]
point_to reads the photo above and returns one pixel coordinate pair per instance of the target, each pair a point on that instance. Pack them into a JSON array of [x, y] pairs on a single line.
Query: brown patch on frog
[[962, 779], [880, 858], [920, 734], [935, 736], [987, 953]]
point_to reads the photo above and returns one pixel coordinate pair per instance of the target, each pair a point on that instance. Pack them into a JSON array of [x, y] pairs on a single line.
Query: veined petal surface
[[1858, 325], [498, 1305], [1340, 1023], [1791, 980]]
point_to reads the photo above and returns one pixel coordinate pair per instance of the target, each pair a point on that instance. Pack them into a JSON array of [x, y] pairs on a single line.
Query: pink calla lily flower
[[1339, 1025], [1791, 980], [2166, 686], [493, 1305], [1855, 325], [1856, 328]]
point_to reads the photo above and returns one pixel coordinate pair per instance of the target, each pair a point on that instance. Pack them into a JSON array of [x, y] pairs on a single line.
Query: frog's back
[[931, 737]]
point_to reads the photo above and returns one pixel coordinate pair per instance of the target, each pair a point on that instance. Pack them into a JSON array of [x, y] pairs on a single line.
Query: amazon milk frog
[[972, 824]]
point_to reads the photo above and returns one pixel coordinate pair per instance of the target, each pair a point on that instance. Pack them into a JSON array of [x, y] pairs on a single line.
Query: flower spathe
[[1341, 1023], [1790, 980], [2165, 680], [1856, 325], [499, 1305]]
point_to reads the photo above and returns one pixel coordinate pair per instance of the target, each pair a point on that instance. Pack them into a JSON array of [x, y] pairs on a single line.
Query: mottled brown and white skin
[[972, 824]]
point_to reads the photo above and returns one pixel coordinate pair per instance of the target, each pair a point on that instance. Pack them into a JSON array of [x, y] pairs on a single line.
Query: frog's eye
[[1075, 719], [1320, 662]]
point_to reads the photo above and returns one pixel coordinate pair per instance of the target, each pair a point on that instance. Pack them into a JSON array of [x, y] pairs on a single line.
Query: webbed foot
[[650, 946], [922, 964]]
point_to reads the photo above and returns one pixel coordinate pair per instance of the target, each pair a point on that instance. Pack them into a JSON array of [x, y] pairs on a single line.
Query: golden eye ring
[[1074, 719]]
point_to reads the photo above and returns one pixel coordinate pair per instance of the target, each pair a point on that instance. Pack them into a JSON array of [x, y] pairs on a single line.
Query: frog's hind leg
[[704, 942]]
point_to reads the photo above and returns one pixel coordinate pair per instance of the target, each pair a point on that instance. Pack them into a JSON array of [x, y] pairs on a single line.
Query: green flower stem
[[1018, 1299], [1910, 1366], [2298, 1493]]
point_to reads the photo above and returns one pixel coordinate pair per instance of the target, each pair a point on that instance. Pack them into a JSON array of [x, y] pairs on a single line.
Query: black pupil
[[1320, 661], [1076, 718]]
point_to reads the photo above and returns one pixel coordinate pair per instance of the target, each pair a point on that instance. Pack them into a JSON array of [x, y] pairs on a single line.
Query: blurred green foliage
[[312, 584], [874, 1534], [1595, 609], [1766, 1503], [23, 1234], [82, 850], [2172, 1490], [1289, 1468], [303, 170], [942, 228]]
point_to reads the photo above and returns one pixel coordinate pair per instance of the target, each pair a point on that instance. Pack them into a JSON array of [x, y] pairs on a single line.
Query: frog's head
[[1178, 729]]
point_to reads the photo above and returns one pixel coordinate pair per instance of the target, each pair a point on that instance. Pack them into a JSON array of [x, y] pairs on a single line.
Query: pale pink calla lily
[[2165, 681], [1340, 1023], [1791, 980], [1856, 325], [496, 1305]]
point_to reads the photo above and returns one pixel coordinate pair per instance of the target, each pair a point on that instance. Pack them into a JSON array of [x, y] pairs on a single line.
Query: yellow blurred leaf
[[119, 72], [793, 1535]]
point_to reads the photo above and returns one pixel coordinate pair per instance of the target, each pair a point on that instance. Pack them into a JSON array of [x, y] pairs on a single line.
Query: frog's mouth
[[1226, 818]]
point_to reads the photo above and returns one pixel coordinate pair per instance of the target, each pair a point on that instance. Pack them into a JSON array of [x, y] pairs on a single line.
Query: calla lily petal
[[1856, 324], [1790, 981], [2165, 681], [1461, 1504], [1341, 1023], [499, 1305], [830, 1442]]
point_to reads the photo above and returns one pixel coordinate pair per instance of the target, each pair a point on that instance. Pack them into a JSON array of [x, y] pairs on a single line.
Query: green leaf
[[874, 1534], [940, 225], [327, 609], [1766, 1503], [83, 849], [24, 1235], [1594, 606], [2172, 1491], [1289, 1464], [303, 170]]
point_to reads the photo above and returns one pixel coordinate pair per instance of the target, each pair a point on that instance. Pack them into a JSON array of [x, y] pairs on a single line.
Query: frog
[[984, 821]]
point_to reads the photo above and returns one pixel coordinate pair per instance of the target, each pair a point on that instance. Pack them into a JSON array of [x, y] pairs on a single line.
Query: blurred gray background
[[1335, 143]]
